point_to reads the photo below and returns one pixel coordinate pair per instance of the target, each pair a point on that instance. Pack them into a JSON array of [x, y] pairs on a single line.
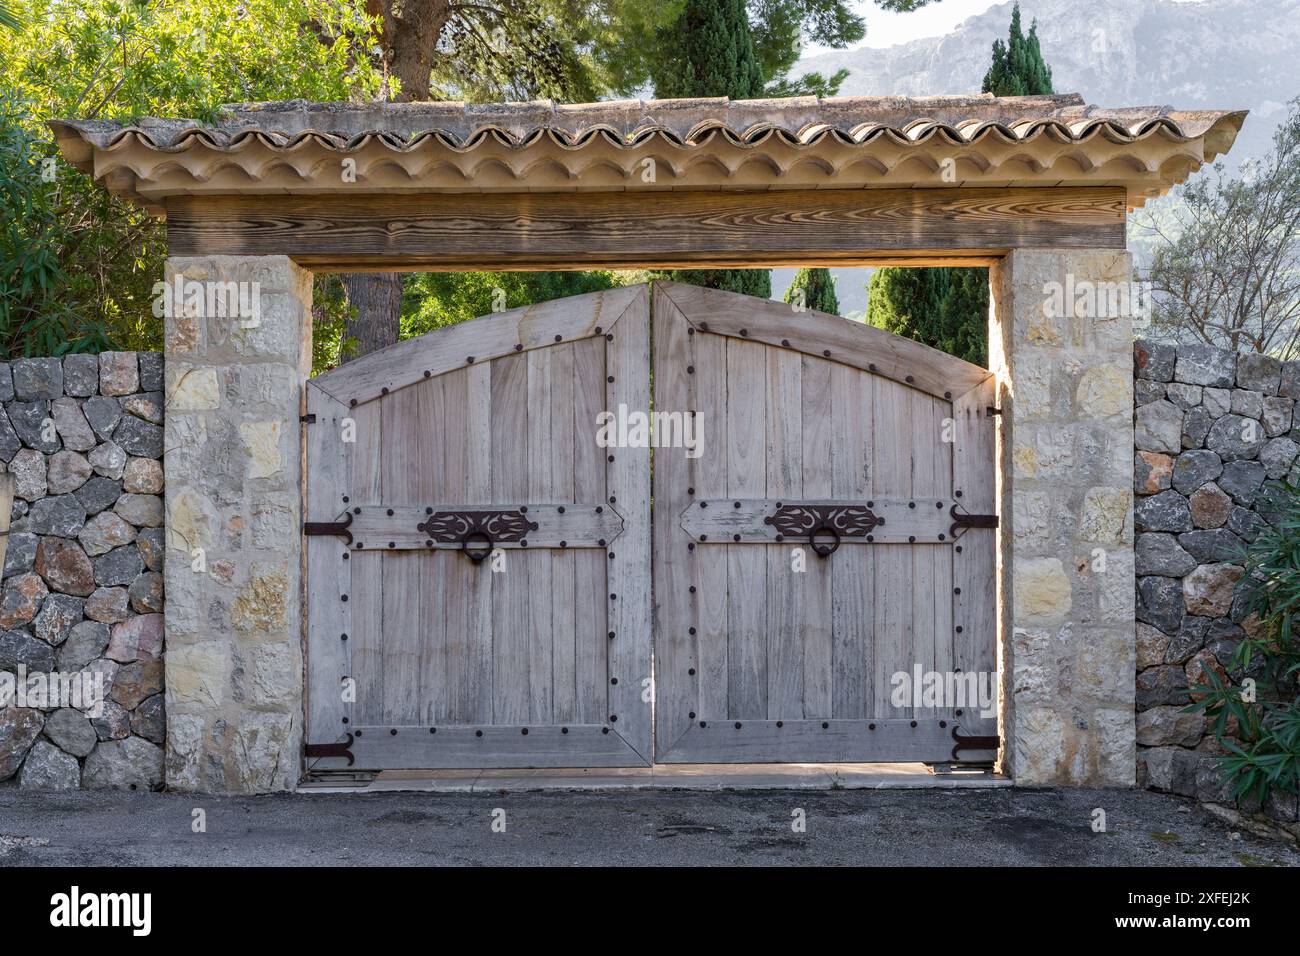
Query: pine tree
[[948, 308], [711, 53], [814, 289]]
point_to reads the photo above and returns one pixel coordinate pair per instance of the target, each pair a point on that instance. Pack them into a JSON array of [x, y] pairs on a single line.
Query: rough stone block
[[119, 373], [1155, 361], [1206, 365], [1260, 373]]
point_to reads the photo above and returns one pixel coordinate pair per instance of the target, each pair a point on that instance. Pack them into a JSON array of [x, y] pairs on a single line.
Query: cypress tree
[[949, 308], [1018, 67], [814, 289], [709, 52]]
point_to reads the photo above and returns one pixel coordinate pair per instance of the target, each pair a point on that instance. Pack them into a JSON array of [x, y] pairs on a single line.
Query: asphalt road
[[862, 827]]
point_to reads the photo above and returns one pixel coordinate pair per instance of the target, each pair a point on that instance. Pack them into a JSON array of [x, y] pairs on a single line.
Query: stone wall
[[82, 585], [1212, 429], [1066, 654]]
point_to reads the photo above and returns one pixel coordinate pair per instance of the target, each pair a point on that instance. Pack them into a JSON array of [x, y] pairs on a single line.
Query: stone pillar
[[1061, 343], [238, 350]]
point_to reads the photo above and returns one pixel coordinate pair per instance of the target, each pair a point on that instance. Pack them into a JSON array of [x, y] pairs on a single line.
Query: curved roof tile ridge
[[987, 130]]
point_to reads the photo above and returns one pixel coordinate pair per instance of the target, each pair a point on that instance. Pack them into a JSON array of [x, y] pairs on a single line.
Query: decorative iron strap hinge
[[340, 749], [478, 532], [963, 520], [824, 525], [337, 528], [973, 742]]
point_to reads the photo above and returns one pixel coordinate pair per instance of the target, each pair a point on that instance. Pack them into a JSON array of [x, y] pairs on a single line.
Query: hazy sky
[[886, 29]]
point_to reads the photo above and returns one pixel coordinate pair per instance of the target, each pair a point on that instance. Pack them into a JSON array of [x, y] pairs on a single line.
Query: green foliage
[[709, 53], [1259, 727], [755, 282], [8, 16], [713, 55], [37, 315], [778, 28], [91, 258], [1018, 67], [435, 300], [946, 309], [525, 49], [814, 289], [641, 41]]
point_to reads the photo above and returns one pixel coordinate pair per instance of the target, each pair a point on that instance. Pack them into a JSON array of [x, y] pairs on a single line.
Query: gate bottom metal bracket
[[339, 749], [973, 742]]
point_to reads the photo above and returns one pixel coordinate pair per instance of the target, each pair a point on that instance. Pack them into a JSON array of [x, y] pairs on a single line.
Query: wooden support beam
[[527, 231]]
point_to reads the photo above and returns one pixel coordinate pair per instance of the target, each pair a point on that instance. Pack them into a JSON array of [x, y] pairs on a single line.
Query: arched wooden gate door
[[481, 568]]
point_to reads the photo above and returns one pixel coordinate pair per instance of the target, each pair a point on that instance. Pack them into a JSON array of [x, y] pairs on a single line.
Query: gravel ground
[[648, 827]]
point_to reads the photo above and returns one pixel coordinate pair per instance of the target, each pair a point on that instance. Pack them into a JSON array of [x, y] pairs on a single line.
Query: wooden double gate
[[487, 587]]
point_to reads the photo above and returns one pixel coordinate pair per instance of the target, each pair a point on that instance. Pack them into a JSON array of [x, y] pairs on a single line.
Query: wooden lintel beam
[[528, 231]]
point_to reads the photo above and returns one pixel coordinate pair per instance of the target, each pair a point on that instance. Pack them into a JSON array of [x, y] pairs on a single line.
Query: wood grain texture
[[487, 745], [442, 642], [817, 640], [974, 571], [709, 478], [476, 341], [747, 624], [627, 477], [590, 571], [828, 336], [805, 741], [816, 457], [329, 569], [675, 607], [630, 228], [852, 569]]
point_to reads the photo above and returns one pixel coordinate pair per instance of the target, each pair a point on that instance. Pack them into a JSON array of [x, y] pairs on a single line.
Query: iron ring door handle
[[822, 549], [480, 538]]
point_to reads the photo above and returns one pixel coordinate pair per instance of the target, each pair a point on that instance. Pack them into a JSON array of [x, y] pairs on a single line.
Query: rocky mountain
[[1208, 54], [1211, 54]]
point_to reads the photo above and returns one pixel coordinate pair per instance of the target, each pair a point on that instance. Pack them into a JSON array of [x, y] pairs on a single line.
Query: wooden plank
[[785, 610], [590, 588], [563, 609], [974, 572], [627, 477], [367, 637], [476, 694], [448, 604], [923, 437], [581, 525], [709, 474], [483, 339], [511, 693], [428, 592], [817, 741], [329, 567], [893, 584], [360, 232], [541, 448], [486, 745], [816, 333], [404, 476], [852, 569], [746, 567], [676, 689], [816, 456], [713, 521]]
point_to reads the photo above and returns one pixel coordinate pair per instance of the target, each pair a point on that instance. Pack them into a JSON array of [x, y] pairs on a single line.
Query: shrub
[[1256, 717]]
